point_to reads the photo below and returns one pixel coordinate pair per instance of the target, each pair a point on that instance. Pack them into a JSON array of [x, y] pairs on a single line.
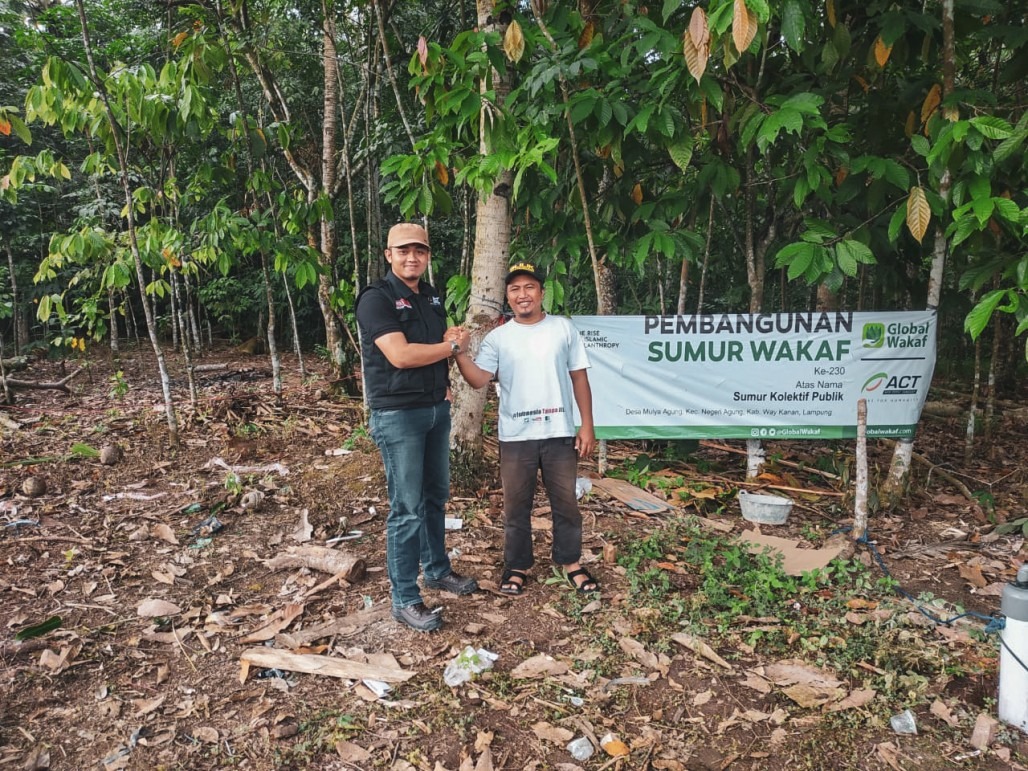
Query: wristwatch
[[454, 348]]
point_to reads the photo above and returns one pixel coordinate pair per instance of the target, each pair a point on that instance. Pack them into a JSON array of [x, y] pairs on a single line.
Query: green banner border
[[779, 433]]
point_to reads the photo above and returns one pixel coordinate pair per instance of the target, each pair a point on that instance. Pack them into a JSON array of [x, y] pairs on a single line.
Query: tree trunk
[[895, 485], [276, 362], [113, 310], [333, 334], [972, 411], [755, 268], [990, 395], [15, 304], [492, 252], [151, 322]]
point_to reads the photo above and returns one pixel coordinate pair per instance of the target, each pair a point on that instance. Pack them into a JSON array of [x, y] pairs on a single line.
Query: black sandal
[[589, 586], [513, 582]]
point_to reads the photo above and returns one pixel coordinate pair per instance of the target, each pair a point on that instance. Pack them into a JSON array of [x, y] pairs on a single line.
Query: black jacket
[[388, 305]]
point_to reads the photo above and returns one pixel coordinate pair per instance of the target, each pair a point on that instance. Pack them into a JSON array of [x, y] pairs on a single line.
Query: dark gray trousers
[[520, 463]]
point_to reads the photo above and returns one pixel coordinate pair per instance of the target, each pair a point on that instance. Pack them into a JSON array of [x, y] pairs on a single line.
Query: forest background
[[240, 162]]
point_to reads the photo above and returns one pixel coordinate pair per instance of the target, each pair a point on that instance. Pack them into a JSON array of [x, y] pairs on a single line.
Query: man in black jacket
[[406, 375]]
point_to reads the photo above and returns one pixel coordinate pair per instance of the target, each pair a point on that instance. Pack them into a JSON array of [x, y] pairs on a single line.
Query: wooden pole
[[860, 497]]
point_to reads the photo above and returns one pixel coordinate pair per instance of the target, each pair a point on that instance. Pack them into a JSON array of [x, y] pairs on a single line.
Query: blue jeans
[[415, 447]]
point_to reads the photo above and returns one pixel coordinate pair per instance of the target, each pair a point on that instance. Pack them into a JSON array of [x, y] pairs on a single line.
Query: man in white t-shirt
[[540, 363]]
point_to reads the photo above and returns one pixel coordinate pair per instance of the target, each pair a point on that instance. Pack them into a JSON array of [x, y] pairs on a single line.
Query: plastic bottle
[[1013, 677]]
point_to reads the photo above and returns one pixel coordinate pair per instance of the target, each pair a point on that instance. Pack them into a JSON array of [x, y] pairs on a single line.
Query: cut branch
[[57, 385]]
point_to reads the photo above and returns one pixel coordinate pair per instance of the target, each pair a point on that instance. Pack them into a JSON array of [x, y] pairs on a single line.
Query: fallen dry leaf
[[702, 698], [551, 733], [58, 662], [638, 651], [278, 621], [165, 533], [352, 753], [757, 683], [855, 699], [858, 603], [944, 713], [538, 666], [483, 740], [973, 575], [614, 746], [163, 578], [485, 761], [810, 695], [890, 755], [699, 647], [206, 734], [146, 706], [788, 671], [153, 608]]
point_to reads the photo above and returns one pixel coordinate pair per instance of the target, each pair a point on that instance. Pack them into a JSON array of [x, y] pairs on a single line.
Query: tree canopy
[[728, 155]]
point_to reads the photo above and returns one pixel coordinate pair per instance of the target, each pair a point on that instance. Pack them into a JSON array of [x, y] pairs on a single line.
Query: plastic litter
[[627, 681], [468, 663], [252, 499], [581, 748], [266, 673], [377, 687], [904, 722], [583, 486], [208, 527], [453, 523], [353, 535]]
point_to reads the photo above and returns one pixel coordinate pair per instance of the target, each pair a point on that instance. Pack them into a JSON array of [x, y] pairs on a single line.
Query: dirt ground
[[157, 565]]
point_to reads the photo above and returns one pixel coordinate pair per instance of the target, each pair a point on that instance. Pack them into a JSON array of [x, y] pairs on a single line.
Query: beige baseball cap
[[407, 233]]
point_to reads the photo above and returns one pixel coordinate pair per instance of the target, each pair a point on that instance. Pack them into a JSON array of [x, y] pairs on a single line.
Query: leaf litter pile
[[225, 604]]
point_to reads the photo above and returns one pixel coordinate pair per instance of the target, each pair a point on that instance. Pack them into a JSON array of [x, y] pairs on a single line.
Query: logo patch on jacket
[[434, 301], [402, 303]]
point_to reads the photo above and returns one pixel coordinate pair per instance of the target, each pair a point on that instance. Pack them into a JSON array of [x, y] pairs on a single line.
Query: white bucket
[[764, 509]]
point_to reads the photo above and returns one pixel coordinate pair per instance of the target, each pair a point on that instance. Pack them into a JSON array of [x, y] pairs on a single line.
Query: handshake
[[460, 336]]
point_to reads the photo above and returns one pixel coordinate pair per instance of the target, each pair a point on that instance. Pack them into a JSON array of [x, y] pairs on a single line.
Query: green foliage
[[80, 450], [38, 630], [806, 144], [119, 385]]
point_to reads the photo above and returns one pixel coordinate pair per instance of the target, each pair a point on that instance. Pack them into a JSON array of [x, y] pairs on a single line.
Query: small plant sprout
[[233, 483], [119, 385]]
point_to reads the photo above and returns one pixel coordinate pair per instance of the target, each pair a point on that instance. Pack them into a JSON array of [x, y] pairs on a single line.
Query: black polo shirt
[[389, 305]]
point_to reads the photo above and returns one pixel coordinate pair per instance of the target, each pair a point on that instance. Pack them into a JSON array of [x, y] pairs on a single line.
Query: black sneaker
[[454, 583], [419, 617]]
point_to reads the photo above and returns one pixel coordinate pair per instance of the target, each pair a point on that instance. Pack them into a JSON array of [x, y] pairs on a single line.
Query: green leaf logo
[[874, 335]]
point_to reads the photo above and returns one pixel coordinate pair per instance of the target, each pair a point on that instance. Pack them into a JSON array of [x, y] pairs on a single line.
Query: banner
[[766, 376]]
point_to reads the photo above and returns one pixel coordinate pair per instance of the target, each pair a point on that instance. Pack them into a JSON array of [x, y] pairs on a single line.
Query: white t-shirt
[[532, 363]]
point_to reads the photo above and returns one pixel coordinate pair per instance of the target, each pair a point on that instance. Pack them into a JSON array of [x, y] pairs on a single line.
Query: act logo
[[893, 384], [875, 382], [874, 335]]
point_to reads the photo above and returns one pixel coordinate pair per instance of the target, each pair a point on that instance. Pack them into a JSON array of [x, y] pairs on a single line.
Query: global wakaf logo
[[874, 335]]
